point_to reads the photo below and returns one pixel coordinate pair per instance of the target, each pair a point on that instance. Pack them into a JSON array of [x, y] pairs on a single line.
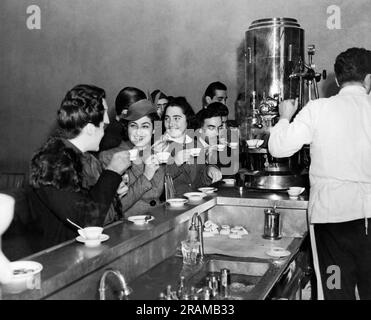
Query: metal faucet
[[197, 224], [125, 289]]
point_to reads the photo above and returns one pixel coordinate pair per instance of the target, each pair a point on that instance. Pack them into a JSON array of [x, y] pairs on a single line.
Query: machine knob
[[324, 74]]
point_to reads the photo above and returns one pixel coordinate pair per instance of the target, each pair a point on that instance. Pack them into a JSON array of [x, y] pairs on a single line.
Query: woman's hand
[[122, 189], [214, 173], [120, 162], [162, 144], [182, 156], [151, 165]]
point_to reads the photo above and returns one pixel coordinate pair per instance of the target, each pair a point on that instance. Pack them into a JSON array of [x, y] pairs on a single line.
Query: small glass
[[190, 250]]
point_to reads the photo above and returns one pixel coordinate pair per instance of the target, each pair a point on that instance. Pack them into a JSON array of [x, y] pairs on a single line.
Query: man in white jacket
[[338, 130]]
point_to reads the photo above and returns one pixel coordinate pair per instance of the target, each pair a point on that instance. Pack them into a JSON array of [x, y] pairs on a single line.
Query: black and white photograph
[[185, 150]]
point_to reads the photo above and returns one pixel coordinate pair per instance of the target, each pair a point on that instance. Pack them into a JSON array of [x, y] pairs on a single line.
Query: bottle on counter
[[207, 294], [225, 282], [214, 285], [180, 291], [162, 296], [168, 293]]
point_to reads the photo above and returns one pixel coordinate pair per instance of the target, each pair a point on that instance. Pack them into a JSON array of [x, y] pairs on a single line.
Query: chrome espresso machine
[[275, 70]]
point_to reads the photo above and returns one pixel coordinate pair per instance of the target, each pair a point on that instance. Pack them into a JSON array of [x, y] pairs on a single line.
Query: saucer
[[208, 189], [176, 202], [195, 196], [140, 219], [229, 182], [94, 242], [278, 252]]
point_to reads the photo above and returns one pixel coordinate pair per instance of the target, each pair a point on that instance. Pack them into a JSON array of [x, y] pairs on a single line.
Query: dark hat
[[139, 109]]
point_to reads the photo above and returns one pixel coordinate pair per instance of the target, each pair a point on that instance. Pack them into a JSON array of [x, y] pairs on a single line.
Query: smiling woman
[[145, 178], [178, 117]]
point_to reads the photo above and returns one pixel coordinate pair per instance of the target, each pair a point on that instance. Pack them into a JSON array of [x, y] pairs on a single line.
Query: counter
[[71, 267]]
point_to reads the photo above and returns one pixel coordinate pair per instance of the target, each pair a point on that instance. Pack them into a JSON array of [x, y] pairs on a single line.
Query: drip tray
[[276, 182]]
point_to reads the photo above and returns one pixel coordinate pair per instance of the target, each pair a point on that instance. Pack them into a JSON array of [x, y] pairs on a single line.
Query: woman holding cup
[[178, 117], [145, 177]]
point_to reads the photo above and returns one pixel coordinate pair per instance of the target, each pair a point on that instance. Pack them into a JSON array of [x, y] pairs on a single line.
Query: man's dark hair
[[155, 93], [212, 87], [187, 110], [83, 104], [215, 109], [352, 65], [126, 97], [219, 108]]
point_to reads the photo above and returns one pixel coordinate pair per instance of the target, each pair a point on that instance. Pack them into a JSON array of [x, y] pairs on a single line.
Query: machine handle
[[249, 60], [290, 53]]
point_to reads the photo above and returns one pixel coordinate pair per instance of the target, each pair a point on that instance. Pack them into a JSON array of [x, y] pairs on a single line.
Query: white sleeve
[[287, 138]]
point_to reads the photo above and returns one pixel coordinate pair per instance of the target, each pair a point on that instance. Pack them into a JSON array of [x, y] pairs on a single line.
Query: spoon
[[76, 225]]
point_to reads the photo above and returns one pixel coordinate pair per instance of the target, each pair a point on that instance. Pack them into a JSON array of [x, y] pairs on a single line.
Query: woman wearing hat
[[145, 178], [113, 134]]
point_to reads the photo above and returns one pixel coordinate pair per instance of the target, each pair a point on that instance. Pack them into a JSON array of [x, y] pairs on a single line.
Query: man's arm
[[287, 138], [84, 208]]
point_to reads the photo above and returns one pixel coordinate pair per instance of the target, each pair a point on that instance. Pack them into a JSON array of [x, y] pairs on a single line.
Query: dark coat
[[189, 176], [59, 191]]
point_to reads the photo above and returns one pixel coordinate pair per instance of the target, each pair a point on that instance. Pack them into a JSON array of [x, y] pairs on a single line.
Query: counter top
[[71, 260]]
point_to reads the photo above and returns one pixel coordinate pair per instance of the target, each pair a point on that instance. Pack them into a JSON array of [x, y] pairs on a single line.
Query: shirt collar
[[353, 89], [181, 140], [69, 144]]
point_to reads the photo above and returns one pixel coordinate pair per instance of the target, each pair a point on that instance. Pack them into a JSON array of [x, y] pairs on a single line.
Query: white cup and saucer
[[294, 192], [141, 219], [133, 154], [195, 197], [208, 189], [195, 152], [163, 156], [229, 181], [92, 236], [176, 202]]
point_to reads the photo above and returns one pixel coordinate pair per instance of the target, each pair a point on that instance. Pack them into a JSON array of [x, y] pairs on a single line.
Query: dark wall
[[178, 46]]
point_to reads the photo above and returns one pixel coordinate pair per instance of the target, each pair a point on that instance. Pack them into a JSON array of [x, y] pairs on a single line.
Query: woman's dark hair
[[187, 110], [352, 65], [83, 104], [126, 97], [153, 116]]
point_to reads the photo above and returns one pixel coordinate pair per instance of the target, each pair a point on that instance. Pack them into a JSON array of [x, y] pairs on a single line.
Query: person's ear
[[89, 129], [337, 82], [367, 82], [208, 99]]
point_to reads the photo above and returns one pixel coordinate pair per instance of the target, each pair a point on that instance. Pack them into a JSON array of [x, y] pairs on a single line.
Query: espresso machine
[[275, 70]]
